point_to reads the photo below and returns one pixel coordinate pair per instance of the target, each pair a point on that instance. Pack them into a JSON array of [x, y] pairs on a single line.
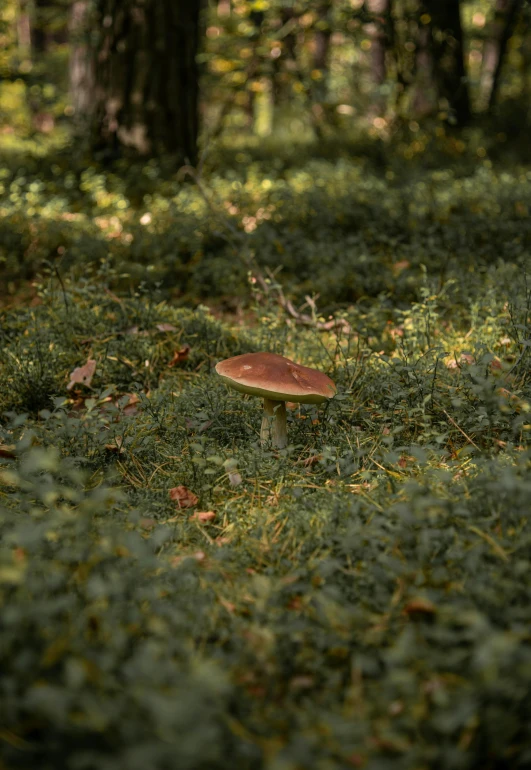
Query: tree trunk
[[448, 56], [425, 100], [505, 15], [49, 27], [321, 53], [81, 64], [146, 77], [24, 31], [285, 63], [41, 34], [378, 33]]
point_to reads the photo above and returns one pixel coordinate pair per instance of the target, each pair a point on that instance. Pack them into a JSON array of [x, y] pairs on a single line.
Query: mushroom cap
[[272, 376]]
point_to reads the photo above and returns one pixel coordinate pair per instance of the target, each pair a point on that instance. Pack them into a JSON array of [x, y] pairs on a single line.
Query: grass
[[357, 600]]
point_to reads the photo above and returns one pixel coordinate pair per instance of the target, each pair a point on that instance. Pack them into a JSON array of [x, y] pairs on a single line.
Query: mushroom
[[277, 380]]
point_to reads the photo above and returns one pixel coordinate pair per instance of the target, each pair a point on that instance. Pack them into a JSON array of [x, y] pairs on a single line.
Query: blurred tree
[[41, 29], [146, 77], [24, 33], [321, 51], [448, 58], [425, 98], [49, 24], [284, 55], [81, 64], [377, 31], [501, 30]]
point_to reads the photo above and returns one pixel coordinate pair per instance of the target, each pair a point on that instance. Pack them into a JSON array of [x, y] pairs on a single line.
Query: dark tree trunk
[[49, 27], [285, 64], [505, 15], [42, 37], [448, 56], [378, 33], [425, 101], [146, 77], [321, 53]]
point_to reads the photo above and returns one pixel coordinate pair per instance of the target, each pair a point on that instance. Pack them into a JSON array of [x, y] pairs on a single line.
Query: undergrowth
[[359, 599]]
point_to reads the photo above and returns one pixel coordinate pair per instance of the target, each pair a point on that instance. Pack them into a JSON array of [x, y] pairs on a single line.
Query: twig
[[496, 547], [239, 244], [460, 430]]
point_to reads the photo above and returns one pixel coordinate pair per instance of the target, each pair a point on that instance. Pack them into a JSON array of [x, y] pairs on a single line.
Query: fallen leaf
[[464, 358], [403, 264], [396, 331], [229, 606], [132, 405], [183, 497], [118, 445], [82, 375], [166, 327], [204, 516], [356, 760], [198, 556], [180, 355], [7, 450]]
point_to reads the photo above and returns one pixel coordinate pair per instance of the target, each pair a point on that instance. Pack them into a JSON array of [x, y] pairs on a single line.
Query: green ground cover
[[360, 599]]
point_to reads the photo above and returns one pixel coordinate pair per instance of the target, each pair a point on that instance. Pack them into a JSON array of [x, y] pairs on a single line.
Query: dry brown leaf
[[464, 358], [183, 497], [204, 516], [7, 450], [166, 327], [198, 556], [82, 375], [229, 606], [403, 264], [180, 355], [132, 405], [118, 445]]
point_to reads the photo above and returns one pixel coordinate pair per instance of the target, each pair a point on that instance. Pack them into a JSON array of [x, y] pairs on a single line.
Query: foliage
[[173, 595], [358, 600], [422, 202]]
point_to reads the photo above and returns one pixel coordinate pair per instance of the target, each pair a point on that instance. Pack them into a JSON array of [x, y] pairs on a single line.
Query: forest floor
[[174, 595]]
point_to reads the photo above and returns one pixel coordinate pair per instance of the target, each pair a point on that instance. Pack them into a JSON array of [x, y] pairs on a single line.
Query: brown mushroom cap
[[277, 378]]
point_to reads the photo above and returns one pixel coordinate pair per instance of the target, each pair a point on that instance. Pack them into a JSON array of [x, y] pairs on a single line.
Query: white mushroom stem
[[274, 424]]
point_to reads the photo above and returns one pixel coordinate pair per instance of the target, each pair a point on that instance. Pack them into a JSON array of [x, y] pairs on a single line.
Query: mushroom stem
[[274, 425]]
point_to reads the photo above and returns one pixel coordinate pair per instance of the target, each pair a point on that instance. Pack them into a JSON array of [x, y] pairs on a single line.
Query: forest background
[[344, 182]]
